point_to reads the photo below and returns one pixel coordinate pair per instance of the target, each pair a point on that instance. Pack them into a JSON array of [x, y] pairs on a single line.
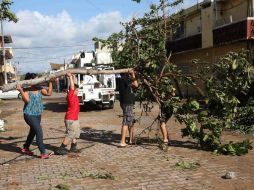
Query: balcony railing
[[184, 44], [240, 30]]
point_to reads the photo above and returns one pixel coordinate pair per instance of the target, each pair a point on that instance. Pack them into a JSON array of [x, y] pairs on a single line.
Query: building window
[[179, 31]]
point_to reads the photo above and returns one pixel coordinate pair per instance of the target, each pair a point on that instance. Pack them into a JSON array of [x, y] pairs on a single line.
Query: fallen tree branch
[[155, 94], [12, 86]]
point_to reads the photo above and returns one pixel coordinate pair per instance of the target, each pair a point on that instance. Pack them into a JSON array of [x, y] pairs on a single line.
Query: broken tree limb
[[12, 86]]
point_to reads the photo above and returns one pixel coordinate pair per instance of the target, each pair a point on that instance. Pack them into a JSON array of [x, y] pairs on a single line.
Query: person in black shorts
[[165, 115], [126, 85]]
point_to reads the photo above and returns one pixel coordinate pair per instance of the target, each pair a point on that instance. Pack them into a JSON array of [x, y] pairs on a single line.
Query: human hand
[[53, 79], [131, 72], [69, 74], [19, 88]]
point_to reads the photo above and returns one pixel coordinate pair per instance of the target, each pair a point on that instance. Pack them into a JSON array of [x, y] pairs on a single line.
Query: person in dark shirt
[[126, 85]]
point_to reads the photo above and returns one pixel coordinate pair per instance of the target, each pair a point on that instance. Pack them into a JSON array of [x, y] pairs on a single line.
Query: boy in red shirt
[[71, 120]]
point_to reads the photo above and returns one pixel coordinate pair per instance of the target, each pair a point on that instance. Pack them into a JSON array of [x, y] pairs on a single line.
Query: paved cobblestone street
[[102, 165]]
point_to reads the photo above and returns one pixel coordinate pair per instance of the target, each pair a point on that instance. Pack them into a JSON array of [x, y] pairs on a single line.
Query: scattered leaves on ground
[[184, 165]]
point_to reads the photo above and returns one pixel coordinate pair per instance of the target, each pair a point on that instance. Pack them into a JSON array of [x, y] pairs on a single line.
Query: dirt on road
[[102, 165]]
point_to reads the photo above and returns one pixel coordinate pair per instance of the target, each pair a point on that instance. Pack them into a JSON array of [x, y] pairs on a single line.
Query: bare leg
[[74, 141], [123, 135], [65, 141], [164, 132], [131, 133]]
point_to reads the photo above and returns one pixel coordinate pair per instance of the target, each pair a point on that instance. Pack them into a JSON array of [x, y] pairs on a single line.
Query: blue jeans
[[34, 122]]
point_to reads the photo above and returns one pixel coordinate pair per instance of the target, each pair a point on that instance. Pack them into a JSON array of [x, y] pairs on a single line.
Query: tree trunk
[[12, 86]]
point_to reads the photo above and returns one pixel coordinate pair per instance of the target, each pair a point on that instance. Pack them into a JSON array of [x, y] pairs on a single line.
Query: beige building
[[10, 69], [209, 30]]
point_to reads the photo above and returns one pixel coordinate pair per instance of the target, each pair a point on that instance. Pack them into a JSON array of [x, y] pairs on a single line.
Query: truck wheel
[[100, 106], [111, 105]]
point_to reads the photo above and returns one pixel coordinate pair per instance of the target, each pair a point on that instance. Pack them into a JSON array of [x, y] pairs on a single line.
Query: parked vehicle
[[10, 94], [99, 89]]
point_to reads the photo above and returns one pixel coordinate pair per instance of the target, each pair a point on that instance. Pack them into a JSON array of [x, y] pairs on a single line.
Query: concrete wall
[[219, 13], [233, 10], [193, 24], [207, 26], [226, 11], [205, 57]]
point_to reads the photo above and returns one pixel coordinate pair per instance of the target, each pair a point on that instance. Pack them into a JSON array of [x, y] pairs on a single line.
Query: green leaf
[[234, 65], [205, 138]]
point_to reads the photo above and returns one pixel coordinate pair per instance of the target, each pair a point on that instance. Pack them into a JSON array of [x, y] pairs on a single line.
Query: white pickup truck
[[99, 89]]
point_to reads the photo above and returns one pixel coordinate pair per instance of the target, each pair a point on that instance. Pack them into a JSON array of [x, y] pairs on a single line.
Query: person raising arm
[[71, 120], [33, 108]]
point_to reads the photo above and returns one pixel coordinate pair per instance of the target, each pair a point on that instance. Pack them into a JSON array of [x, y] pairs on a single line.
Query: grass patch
[[107, 175], [66, 176], [42, 177], [184, 165]]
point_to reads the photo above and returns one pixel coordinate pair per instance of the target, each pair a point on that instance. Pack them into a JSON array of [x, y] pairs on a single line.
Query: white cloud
[[37, 30]]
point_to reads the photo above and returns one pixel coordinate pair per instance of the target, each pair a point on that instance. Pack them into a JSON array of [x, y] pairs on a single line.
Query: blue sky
[[53, 30], [82, 9]]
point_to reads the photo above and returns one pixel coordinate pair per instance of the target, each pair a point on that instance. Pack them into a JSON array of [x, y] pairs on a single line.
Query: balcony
[[231, 32], [184, 44], [241, 30], [7, 39], [8, 54]]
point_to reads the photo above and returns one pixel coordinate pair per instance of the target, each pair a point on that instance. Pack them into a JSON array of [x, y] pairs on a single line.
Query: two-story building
[[209, 30], [10, 69]]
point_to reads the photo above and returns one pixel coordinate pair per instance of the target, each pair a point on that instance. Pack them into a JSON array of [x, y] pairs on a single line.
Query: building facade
[[10, 69], [209, 30]]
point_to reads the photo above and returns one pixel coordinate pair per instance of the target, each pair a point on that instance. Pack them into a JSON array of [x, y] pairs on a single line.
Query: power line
[[40, 60], [42, 55], [50, 47], [95, 6], [84, 43], [45, 58]]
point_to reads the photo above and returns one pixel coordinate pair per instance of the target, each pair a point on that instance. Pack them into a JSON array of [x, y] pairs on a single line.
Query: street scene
[[130, 94], [102, 165]]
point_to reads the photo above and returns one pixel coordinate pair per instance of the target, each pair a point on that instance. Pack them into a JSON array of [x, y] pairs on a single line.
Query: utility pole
[[3, 46]]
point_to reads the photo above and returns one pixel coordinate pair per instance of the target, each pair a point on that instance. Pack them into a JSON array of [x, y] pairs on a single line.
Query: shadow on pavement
[[111, 138], [184, 144], [56, 107], [52, 147], [101, 136], [10, 138], [62, 107], [13, 147], [10, 147], [151, 142]]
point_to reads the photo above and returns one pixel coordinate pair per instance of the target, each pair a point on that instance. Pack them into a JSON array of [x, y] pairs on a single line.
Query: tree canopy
[[6, 13], [142, 45]]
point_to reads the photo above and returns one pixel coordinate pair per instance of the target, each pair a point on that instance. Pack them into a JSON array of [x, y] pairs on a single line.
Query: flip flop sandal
[[125, 146]]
